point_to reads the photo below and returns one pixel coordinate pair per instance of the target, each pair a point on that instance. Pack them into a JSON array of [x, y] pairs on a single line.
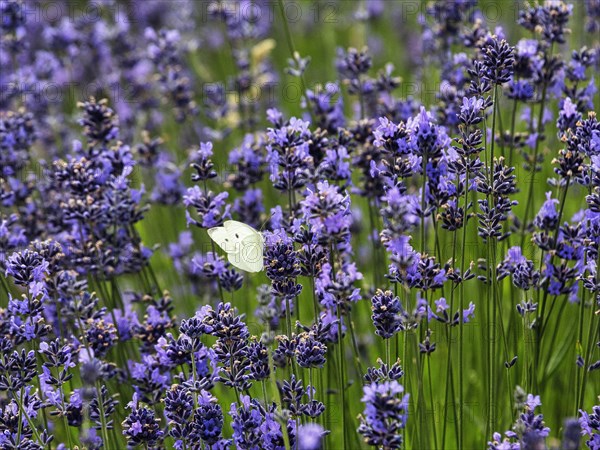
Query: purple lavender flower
[[288, 154], [16, 429], [385, 414], [590, 426], [282, 266], [248, 162], [26, 267], [549, 18], [524, 275], [109, 404], [310, 437], [498, 60], [163, 52], [547, 217], [18, 369], [12, 237], [328, 212], [386, 313], [202, 163], [141, 426], [443, 315], [592, 16], [231, 280], [335, 165], [247, 420], [149, 149], [168, 188], [269, 310], [179, 405], [338, 290], [149, 382], [528, 431], [211, 209], [210, 265], [208, 419], [567, 117], [309, 351], [100, 123], [258, 354], [101, 336], [427, 139], [499, 443], [571, 434], [327, 109], [155, 324], [231, 348], [250, 207], [17, 134], [353, 66], [521, 90]]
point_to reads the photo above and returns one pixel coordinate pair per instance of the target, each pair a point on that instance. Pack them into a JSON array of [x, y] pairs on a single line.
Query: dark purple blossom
[[386, 313], [141, 426], [327, 211], [288, 154], [590, 427], [385, 414], [210, 208]]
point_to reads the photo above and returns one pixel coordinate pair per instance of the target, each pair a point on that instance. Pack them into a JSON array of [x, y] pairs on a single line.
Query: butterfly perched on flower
[[242, 243]]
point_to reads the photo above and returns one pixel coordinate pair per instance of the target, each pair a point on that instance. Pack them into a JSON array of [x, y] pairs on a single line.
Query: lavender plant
[[426, 180]]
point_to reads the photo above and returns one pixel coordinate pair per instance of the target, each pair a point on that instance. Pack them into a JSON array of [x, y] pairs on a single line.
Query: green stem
[[387, 353], [590, 345], [557, 324], [526, 358], [539, 130], [195, 377], [373, 226], [578, 348], [541, 317], [288, 317], [23, 415], [513, 122], [460, 322], [507, 357], [279, 402], [314, 296], [490, 342], [290, 44], [448, 328], [103, 425], [341, 355], [64, 417], [433, 424], [104, 429], [5, 286], [357, 359], [423, 205], [342, 370], [408, 376]]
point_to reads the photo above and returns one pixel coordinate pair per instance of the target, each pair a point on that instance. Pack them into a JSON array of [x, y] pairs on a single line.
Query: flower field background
[[426, 178]]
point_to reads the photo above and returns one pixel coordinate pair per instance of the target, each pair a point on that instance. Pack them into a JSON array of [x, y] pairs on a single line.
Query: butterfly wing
[[242, 243], [222, 238], [252, 252], [238, 230], [237, 261]]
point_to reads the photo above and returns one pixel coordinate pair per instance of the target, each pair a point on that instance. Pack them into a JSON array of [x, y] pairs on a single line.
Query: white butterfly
[[242, 243]]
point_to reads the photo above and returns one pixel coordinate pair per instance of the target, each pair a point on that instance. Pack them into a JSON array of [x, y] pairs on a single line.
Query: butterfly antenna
[[266, 221], [262, 227]]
